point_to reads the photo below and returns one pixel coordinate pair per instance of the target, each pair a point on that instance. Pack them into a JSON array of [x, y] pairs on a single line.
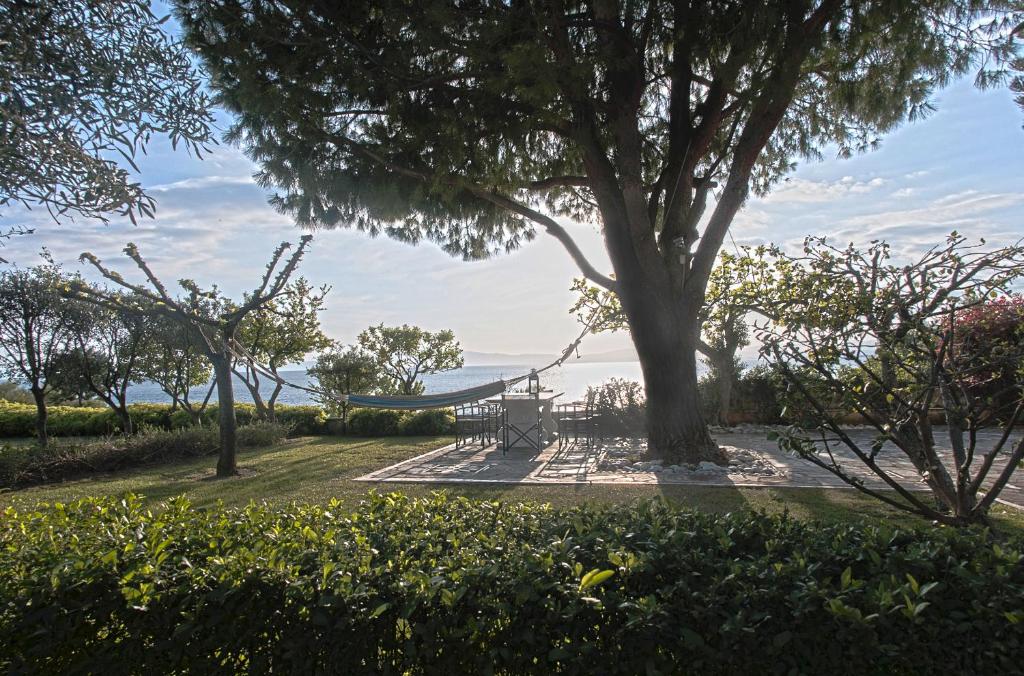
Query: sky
[[962, 168]]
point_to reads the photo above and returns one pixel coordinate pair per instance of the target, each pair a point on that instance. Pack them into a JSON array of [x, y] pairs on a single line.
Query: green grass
[[317, 469]]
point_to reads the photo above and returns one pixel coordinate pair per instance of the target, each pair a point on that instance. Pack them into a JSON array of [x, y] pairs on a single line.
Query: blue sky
[[962, 168]]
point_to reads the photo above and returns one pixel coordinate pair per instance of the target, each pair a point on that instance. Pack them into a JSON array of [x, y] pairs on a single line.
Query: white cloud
[[800, 190], [202, 182]]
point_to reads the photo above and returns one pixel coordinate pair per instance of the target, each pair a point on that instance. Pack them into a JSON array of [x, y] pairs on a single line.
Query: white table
[[522, 409]]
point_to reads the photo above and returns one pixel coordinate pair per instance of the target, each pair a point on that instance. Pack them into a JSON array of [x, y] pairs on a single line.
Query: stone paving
[[611, 461]]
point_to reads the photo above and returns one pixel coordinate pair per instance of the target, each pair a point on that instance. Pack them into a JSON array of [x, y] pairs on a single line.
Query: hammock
[[442, 400]]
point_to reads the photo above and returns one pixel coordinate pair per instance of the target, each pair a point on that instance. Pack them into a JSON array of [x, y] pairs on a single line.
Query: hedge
[[450, 585], [19, 420], [28, 465], [374, 422]]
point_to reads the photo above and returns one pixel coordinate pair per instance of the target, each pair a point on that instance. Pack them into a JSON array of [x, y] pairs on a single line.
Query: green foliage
[[404, 353], [85, 83], [280, 332], [342, 370], [18, 420], [621, 407], [451, 585], [28, 465], [429, 423], [374, 422], [378, 422], [13, 392]]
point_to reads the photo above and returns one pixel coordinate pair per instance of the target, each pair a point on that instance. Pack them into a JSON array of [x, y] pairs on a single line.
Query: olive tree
[[892, 341], [214, 322], [474, 125], [109, 345], [176, 362], [404, 353], [37, 328], [278, 333], [342, 370]]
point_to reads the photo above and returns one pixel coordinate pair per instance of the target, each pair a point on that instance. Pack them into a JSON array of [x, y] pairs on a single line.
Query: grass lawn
[[317, 469]]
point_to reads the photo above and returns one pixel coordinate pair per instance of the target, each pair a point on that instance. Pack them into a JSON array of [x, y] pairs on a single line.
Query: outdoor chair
[[577, 421], [472, 421], [531, 431]]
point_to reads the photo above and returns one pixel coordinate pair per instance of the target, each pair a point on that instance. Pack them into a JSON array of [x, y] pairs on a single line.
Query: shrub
[[428, 423], [621, 407], [27, 465], [374, 422], [451, 585]]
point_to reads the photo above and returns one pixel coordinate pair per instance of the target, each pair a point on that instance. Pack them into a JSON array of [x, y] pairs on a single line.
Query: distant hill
[[504, 359]]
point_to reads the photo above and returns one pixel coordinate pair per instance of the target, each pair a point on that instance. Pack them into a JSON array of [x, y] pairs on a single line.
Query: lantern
[[533, 383]]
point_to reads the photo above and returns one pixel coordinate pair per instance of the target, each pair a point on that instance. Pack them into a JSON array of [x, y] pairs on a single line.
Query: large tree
[[203, 312], [37, 328], [471, 124], [83, 87]]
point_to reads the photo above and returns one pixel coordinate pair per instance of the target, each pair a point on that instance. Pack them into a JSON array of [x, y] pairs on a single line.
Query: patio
[[754, 461]]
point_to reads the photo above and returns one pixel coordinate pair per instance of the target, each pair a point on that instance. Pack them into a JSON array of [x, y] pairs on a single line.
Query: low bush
[[19, 420], [451, 585], [434, 422], [621, 407], [27, 465], [374, 422]]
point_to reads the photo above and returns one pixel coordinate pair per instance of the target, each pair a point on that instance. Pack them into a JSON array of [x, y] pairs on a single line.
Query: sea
[[571, 379]]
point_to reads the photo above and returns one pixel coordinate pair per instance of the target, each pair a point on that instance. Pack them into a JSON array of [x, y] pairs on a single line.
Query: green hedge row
[[29, 465], [374, 422], [446, 585], [19, 420]]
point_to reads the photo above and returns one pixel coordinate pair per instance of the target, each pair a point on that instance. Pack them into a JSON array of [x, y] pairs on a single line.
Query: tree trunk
[[676, 431], [41, 414], [126, 420], [272, 401], [227, 462]]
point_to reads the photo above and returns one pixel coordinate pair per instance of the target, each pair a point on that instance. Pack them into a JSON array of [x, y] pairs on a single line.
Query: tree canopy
[[83, 86], [463, 123], [404, 353]]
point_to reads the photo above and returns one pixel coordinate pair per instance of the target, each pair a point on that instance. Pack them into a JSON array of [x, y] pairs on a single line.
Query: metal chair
[[577, 420], [471, 422]]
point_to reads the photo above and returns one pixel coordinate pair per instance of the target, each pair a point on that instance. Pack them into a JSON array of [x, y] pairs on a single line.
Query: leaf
[[782, 639], [692, 639], [379, 610], [595, 577]]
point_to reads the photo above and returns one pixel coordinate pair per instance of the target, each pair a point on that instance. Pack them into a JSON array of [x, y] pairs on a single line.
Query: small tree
[[205, 313], [110, 343], [84, 83], [342, 370], [279, 333], [37, 327], [404, 353], [891, 341], [176, 362]]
